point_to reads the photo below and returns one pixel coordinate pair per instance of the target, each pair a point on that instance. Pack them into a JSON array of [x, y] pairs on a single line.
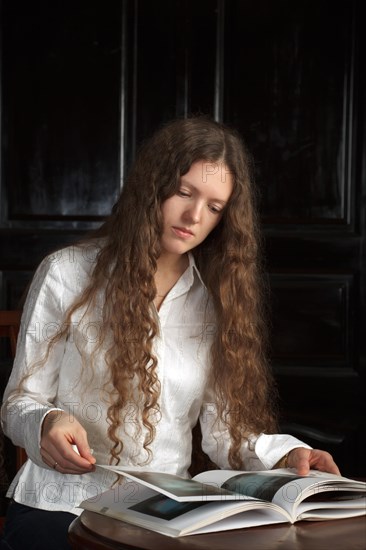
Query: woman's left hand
[[305, 459]]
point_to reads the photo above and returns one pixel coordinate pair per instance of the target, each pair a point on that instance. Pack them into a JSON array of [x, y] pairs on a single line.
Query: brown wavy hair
[[228, 260]]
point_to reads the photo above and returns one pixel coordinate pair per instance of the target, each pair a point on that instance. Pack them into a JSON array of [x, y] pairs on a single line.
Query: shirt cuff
[[271, 448], [41, 423]]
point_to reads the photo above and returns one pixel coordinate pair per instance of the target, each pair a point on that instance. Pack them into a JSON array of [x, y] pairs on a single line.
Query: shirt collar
[[186, 281], [194, 269]]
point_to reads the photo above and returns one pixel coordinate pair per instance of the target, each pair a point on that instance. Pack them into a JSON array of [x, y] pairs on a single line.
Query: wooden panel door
[[60, 141], [83, 83], [294, 85], [60, 87]]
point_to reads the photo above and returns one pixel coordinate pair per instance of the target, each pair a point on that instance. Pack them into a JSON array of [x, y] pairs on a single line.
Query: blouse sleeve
[[23, 410], [259, 452]]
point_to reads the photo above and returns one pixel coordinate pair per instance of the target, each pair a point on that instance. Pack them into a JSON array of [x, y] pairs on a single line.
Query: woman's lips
[[182, 232]]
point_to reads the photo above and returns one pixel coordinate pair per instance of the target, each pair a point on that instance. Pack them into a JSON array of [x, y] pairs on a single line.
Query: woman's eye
[[215, 209], [182, 193]]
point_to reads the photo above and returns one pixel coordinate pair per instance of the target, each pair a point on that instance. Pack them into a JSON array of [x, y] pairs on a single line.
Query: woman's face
[[197, 207]]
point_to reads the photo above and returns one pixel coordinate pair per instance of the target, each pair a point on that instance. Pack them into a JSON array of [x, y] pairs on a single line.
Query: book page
[[316, 493], [327, 511], [149, 509], [176, 487], [262, 485], [287, 489]]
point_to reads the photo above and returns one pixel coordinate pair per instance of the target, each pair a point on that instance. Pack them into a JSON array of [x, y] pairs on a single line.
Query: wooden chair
[[9, 328]]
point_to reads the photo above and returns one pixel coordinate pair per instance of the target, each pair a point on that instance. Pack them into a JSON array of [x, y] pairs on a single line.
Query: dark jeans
[[32, 529]]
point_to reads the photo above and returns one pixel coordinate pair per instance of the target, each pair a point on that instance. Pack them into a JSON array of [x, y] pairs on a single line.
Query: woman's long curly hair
[[228, 260]]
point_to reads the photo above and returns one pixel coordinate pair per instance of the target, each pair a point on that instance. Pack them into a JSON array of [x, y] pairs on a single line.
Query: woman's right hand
[[60, 432]]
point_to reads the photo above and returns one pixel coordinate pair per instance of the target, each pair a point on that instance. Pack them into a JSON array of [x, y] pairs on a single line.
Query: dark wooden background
[[83, 82]]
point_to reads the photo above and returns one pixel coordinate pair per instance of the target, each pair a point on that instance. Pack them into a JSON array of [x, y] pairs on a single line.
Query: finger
[[63, 446], [299, 459], [65, 469], [48, 459], [64, 464], [61, 470], [82, 449], [322, 460], [55, 465], [50, 462], [302, 467], [73, 471], [73, 458], [333, 469]]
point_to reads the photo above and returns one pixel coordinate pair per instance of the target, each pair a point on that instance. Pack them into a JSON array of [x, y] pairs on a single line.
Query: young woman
[[152, 324]]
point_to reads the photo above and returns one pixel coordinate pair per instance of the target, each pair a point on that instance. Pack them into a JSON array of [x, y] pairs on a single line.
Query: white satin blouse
[[187, 325]]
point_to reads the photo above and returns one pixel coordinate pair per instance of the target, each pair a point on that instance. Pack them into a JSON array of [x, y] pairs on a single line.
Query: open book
[[218, 500]]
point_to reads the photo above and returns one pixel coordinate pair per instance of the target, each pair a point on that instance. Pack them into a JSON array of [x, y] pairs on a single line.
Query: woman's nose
[[193, 212]]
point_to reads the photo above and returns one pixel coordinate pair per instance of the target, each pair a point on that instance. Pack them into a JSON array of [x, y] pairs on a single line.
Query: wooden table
[[92, 531]]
